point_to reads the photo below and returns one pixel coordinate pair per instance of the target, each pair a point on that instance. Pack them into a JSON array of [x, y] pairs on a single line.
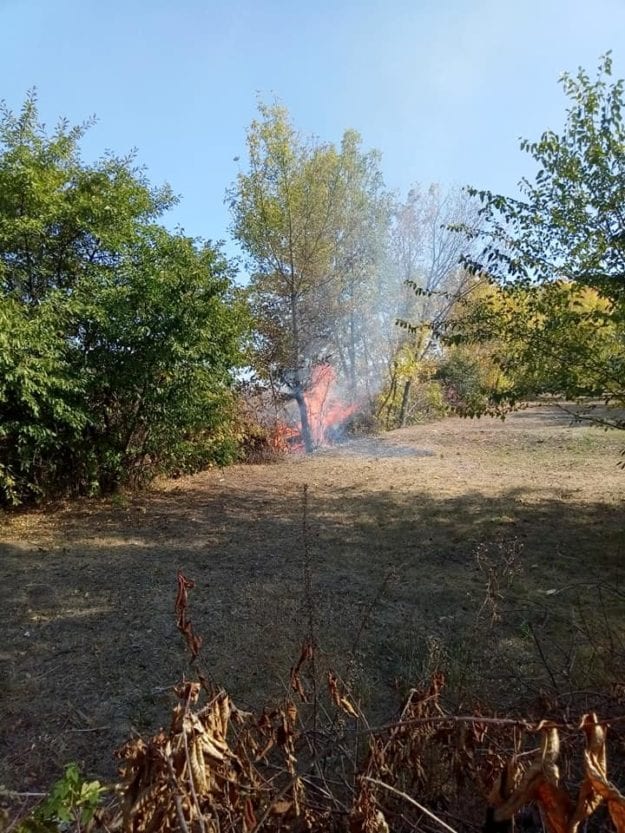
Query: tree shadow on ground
[[90, 646]]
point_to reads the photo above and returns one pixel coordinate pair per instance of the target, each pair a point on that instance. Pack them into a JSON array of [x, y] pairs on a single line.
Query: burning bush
[[264, 435]]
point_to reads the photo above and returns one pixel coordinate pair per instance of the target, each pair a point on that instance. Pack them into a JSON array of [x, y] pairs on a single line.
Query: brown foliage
[[541, 784], [220, 770], [193, 640]]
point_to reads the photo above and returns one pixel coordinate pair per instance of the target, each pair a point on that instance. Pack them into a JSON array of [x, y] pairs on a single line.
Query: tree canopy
[[118, 337], [566, 234]]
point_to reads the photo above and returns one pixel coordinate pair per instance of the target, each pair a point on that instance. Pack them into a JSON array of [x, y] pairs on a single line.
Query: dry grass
[[86, 606]]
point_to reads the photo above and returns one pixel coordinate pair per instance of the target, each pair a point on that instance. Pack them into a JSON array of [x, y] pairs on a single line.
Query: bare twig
[[275, 799], [411, 801], [544, 659], [13, 794], [390, 574], [94, 729], [527, 725], [310, 608], [617, 424], [174, 782]]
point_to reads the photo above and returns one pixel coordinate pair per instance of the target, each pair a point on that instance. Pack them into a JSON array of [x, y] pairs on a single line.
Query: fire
[[284, 437], [326, 411], [327, 414]]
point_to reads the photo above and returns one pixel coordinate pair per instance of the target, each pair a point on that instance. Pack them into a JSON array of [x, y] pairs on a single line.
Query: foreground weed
[[70, 805]]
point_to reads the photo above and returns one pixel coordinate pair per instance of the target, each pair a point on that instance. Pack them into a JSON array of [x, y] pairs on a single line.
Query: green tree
[[118, 337], [309, 216], [283, 213], [567, 227], [557, 338]]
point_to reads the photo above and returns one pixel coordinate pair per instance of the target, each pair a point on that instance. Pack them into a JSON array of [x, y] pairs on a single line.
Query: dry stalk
[[174, 784], [198, 809], [498, 568], [411, 800], [310, 606]]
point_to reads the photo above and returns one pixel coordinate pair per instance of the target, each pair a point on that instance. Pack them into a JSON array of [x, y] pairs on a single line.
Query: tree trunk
[[303, 415], [390, 398], [404, 403], [298, 388], [353, 382]]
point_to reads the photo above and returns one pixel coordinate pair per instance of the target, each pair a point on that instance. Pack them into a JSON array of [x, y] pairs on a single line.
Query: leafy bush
[[41, 406], [462, 378], [118, 338]]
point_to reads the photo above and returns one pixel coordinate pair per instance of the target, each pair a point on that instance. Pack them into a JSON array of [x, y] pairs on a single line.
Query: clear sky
[[444, 89]]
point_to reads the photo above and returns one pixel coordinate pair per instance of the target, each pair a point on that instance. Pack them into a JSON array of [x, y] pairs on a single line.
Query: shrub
[[118, 338], [462, 378]]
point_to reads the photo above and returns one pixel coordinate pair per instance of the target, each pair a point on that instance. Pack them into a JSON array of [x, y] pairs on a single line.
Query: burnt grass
[[495, 551]]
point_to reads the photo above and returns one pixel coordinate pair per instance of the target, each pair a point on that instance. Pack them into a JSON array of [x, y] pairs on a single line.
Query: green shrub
[[42, 408], [118, 338], [462, 379]]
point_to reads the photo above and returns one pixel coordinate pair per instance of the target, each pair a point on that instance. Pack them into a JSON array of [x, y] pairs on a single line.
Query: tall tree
[[426, 255], [360, 268], [302, 211], [568, 225]]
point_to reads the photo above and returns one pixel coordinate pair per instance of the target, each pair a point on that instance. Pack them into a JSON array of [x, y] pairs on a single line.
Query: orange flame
[[326, 414], [284, 437], [326, 411]]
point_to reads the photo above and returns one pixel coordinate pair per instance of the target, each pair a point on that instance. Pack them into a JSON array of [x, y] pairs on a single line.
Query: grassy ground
[[496, 550]]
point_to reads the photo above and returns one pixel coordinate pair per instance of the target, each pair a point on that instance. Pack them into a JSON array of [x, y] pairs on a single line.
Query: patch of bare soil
[[493, 549]]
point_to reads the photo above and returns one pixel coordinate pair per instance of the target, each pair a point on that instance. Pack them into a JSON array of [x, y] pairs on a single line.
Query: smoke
[[350, 357]]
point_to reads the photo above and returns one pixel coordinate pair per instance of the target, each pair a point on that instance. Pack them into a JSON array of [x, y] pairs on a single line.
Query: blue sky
[[443, 89]]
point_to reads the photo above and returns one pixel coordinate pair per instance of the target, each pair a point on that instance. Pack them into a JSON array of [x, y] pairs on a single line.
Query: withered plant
[[312, 762]]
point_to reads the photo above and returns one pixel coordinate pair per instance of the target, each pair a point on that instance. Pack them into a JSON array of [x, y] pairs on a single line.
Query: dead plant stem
[[310, 608], [174, 783], [411, 801], [544, 659], [488, 721], [191, 780]]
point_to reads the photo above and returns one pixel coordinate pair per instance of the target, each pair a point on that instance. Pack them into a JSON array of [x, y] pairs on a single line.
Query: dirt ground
[[417, 541]]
